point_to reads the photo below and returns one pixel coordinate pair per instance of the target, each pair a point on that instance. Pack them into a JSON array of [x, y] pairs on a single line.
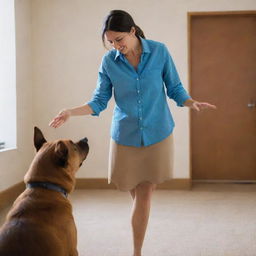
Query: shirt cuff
[[94, 107], [182, 99]]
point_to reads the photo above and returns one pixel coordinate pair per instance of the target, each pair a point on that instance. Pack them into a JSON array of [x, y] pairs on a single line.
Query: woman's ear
[[133, 31]]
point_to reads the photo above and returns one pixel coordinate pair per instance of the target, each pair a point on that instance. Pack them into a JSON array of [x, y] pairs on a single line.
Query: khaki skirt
[[129, 166]]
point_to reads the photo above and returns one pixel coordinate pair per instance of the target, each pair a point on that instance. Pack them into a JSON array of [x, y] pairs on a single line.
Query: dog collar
[[48, 185]]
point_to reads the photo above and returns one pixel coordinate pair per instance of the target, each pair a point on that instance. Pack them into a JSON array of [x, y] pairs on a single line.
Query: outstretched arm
[[64, 115]]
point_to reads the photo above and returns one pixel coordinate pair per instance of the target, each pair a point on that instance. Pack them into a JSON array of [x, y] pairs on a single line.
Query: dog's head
[[56, 161]]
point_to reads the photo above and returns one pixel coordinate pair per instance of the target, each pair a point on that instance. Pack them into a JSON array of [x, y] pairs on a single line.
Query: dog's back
[[20, 238], [38, 225]]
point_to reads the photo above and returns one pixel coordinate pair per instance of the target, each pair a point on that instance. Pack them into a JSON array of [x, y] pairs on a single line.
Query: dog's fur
[[40, 222]]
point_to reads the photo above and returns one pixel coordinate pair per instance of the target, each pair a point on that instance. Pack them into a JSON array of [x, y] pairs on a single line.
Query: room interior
[[56, 51]]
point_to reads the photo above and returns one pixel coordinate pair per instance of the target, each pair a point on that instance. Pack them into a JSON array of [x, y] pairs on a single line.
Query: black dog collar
[[47, 185]]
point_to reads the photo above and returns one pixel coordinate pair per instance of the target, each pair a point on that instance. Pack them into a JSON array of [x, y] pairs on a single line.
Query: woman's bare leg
[[140, 213]]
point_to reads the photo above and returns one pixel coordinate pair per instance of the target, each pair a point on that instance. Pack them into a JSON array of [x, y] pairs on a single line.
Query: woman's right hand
[[60, 119]]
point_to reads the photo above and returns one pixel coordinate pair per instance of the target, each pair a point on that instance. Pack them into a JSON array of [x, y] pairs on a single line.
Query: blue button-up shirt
[[141, 115]]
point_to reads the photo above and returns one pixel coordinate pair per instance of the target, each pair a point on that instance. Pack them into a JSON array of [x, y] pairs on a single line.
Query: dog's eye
[[74, 145], [80, 164]]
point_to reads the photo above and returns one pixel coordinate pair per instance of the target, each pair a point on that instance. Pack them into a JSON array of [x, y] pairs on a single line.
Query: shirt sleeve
[[174, 87], [103, 91]]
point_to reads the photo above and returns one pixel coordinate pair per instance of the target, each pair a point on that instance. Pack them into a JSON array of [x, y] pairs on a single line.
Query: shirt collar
[[145, 48]]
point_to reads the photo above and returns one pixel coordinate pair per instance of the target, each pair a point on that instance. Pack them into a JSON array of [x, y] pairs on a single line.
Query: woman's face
[[121, 41]]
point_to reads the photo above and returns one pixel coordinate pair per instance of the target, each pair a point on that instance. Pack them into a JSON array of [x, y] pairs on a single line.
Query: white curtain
[[7, 74]]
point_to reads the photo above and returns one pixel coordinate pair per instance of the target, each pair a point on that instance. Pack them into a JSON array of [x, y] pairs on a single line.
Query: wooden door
[[222, 67]]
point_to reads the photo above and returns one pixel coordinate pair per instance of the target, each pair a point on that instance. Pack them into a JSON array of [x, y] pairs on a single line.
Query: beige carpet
[[210, 220]]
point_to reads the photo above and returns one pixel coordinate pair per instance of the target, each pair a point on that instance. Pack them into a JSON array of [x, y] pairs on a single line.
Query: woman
[[140, 72]]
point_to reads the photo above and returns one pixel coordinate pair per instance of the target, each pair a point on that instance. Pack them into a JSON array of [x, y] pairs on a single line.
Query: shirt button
[[138, 91], [141, 128], [140, 118], [139, 101], [137, 78]]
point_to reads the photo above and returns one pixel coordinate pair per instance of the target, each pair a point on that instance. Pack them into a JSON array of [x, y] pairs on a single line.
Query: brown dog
[[40, 222]]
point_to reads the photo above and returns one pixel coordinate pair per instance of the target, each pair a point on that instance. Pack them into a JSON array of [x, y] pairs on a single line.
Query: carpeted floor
[[209, 220]]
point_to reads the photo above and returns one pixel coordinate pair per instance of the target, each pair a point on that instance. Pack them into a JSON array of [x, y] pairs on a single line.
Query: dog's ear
[[61, 153], [39, 139]]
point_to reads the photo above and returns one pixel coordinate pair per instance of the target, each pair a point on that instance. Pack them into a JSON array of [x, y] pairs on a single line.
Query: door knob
[[252, 104]]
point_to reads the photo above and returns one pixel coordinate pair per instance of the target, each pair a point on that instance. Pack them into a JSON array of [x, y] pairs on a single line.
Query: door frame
[[190, 16]]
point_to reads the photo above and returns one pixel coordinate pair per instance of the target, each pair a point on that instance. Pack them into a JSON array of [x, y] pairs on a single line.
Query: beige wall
[[66, 53], [15, 162]]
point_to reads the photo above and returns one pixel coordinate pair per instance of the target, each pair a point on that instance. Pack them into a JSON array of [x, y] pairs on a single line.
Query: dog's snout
[[84, 140], [83, 143]]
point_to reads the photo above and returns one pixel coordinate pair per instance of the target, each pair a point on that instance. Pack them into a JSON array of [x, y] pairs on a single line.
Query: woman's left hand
[[202, 105], [196, 105]]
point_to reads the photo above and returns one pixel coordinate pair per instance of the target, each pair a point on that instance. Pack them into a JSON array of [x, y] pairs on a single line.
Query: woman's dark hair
[[120, 21]]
